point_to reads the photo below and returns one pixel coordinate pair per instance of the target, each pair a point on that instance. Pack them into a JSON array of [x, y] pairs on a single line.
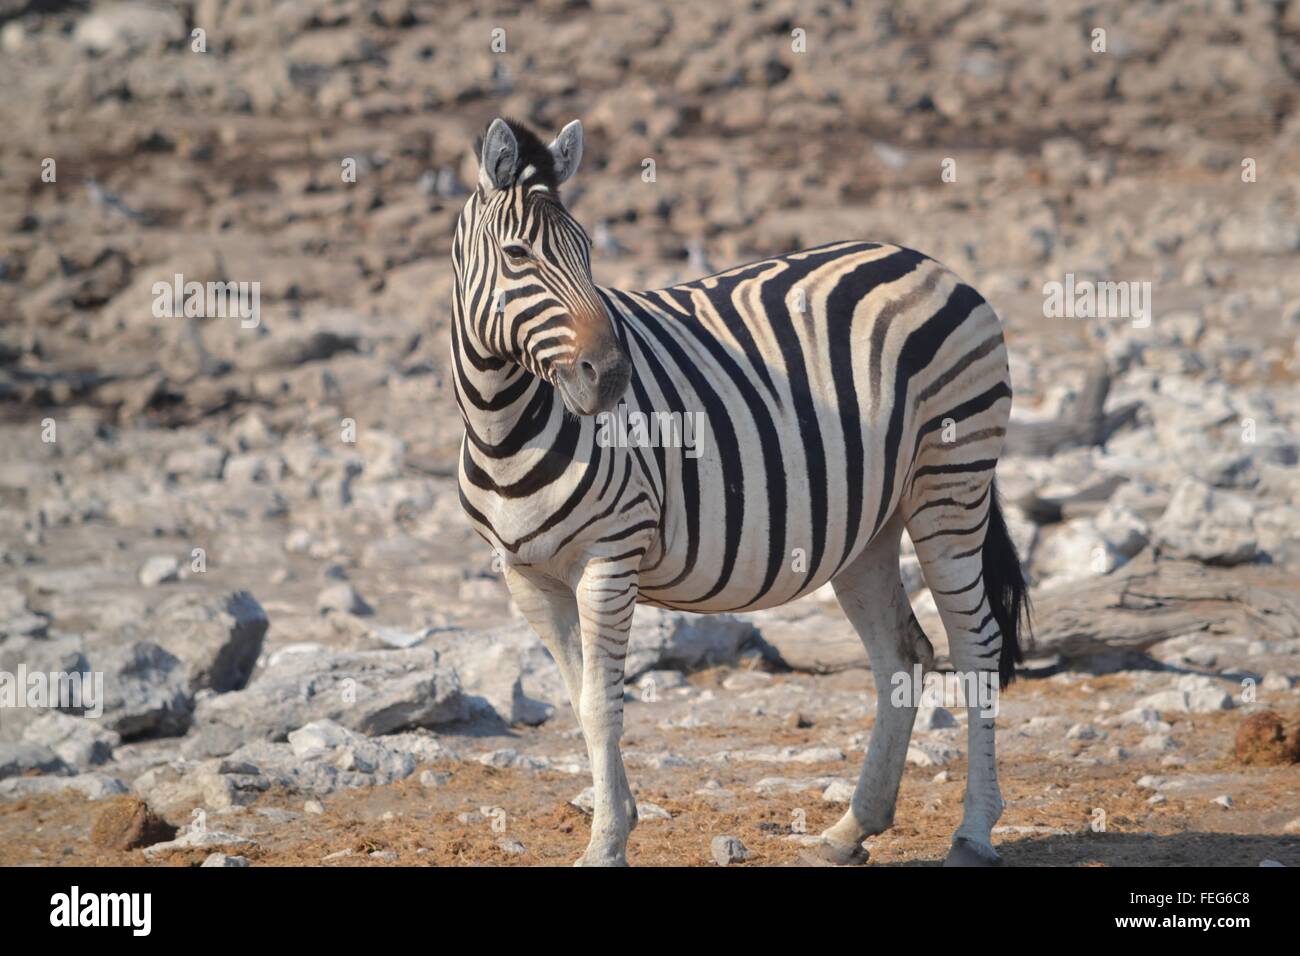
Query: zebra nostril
[[588, 371]]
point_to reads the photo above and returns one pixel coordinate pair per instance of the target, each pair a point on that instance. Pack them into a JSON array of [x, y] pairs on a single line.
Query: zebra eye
[[517, 253]]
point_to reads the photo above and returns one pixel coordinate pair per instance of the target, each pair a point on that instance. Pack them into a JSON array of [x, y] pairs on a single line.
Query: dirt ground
[[1051, 818]]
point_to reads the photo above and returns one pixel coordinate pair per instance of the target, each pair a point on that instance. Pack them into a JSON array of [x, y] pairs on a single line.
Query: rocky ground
[[253, 532]]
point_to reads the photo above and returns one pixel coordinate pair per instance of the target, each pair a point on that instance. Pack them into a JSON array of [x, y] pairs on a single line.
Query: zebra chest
[[558, 524]]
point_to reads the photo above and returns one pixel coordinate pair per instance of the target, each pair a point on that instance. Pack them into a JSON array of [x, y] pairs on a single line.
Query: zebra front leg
[[607, 594], [552, 609], [871, 593]]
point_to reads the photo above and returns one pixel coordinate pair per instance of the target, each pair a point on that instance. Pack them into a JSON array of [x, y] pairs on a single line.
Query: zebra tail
[[1004, 583]]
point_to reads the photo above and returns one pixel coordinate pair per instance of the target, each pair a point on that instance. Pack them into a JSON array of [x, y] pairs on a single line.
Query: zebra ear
[[566, 149], [499, 157]]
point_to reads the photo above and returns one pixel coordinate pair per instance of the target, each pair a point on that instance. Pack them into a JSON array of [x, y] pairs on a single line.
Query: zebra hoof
[[966, 852], [830, 853], [588, 859]]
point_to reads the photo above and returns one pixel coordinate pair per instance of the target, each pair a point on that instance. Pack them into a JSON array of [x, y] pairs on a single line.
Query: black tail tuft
[[1004, 583]]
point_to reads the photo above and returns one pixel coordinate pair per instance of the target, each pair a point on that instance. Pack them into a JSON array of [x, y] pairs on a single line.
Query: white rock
[[434, 778], [673, 640], [321, 735], [585, 801], [930, 755], [1194, 700], [652, 811], [1275, 681], [1122, 529], [198, 837], [727, 850], [124, 28], [196, 464], [1207, 525], [934, 718], [841, 791], [1072, 552], [342, 597], [159, 569], [510, 759], [92, 786], [79, 741], [505, 671]]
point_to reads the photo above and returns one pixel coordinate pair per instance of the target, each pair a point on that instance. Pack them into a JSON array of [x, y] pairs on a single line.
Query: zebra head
[[524, 266]]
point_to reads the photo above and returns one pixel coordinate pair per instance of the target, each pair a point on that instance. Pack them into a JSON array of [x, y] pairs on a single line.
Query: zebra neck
[[502, 407]]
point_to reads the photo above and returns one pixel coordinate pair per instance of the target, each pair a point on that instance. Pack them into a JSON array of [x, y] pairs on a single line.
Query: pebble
[[160, 569], [342, 597], [1082, 732], [435, 778], [934, 718], [727, 850], [841, 791], [1157, 743]]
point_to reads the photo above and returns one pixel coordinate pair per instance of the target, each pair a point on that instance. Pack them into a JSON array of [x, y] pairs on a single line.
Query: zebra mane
[[532, 152]]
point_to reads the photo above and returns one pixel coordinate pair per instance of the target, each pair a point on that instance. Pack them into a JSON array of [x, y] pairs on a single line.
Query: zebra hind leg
[[871, 593], [974, 574]]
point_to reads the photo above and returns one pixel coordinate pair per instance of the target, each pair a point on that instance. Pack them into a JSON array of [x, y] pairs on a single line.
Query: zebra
[[852, 391]]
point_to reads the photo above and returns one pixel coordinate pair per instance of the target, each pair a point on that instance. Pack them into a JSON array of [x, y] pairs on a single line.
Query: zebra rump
[[1004, 583]]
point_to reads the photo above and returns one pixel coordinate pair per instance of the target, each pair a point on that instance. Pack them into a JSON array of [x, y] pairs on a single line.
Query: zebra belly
[[763, 527]]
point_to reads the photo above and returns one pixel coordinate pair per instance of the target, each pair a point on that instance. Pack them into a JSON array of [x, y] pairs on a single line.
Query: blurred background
[[323, 149]]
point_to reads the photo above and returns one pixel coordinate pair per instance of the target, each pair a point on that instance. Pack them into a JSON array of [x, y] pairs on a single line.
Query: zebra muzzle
[[596, 381]]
